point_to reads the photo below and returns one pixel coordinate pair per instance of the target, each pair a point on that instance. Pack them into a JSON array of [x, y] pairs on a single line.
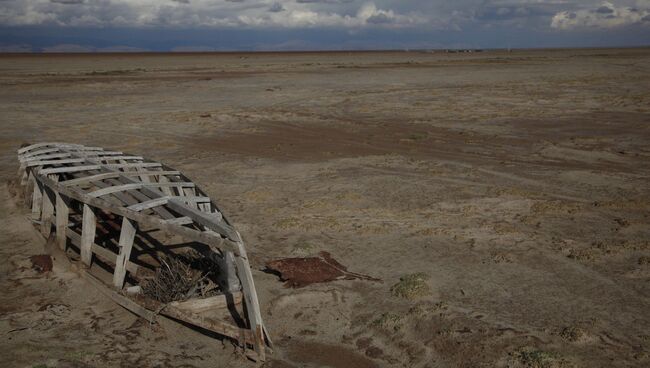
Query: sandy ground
[[515, 185]]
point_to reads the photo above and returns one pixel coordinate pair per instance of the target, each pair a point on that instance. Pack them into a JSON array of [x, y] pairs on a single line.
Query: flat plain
[[503, 199]]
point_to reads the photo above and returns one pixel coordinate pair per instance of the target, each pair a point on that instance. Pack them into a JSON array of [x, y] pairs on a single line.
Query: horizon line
[[315, 51]]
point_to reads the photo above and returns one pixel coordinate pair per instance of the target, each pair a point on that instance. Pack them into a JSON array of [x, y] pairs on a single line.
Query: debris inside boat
[[146, 236]]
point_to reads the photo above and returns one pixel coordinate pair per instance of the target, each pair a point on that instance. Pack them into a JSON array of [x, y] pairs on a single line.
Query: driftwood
[[104, 205]]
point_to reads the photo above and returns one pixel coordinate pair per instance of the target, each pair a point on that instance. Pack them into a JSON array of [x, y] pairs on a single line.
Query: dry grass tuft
[[411, 286]]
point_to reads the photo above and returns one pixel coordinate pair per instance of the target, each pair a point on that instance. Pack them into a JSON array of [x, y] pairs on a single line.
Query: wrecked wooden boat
[[137, 227]]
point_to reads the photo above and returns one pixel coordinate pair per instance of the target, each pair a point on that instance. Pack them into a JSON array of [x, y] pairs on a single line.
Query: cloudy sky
[[187, 25]]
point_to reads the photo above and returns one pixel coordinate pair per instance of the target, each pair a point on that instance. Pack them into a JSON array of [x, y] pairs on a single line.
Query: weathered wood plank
[[180, 221], [45, 157], [117, 158], [190, 234], [165, 190], [250, 298], [132, 186], [89, 179], [22, 174], [54, 162], [47, 211], [133, 165], [96, 154], [32, 147], [88, 229], [58, 145], [210, 324], [139, 196], [127, 235], [38, 153], [211, 221], [149, 204], [62, 220], [143, 178], [115, 174], [80, 148], [163, 200], [37, 201], [128, 198], [227, 277], [210, 303], [134, 193], [104, 254], [70, 169], [214, 221]]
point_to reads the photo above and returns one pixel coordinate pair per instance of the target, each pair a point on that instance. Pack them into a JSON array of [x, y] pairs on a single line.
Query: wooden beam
[[37, 200], [144, 178], [132, 197], [150, 221], [115, 174], [38, 153], [102, 253], [47, 211], [124, 198], [133, 186], [227, 277], [24, 150], [22, 174], [139, 196], [180, 221], [163, 200], [133, 165], [210, 221], [250, 298], [210, 324], [58, 145], [88, 229], [165, 190], [80, 148], [209, 303], [149, 204], [45, 157], [98, 153], [128, 198], [69, 169], [89, 179], [117, 158], [127, 235], [62, 220], [54, 162]]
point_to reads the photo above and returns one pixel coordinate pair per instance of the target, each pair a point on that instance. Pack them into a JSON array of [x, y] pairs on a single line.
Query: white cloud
[[346, 14], [201, 13], [606, 15]]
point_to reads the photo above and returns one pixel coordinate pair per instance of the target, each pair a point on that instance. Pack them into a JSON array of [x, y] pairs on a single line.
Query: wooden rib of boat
[[81, 195]]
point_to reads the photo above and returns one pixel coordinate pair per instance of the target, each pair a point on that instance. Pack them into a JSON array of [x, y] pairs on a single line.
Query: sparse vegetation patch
[[411, 286]]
